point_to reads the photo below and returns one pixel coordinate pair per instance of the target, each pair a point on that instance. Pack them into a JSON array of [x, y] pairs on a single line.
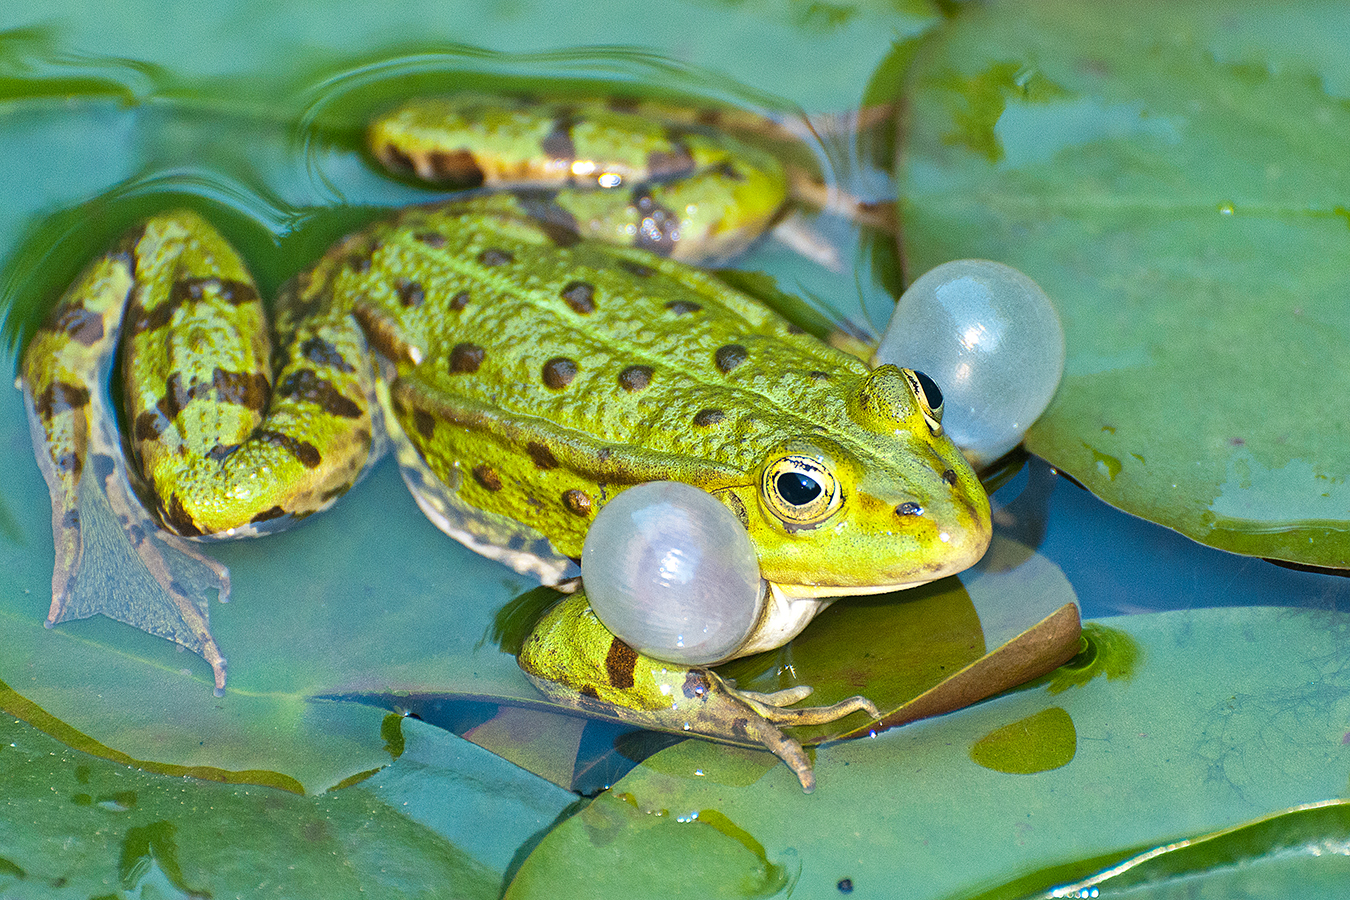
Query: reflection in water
[[1121, 565]]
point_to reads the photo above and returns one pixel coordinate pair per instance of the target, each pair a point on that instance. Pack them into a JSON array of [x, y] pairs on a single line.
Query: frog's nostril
[[909, 508]]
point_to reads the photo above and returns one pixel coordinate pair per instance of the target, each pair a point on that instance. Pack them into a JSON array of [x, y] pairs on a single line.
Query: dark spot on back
[[459, 301], [381, 331], [635, 378], [559, 372], [728, 171], [334, 492], [949, 476], [707, 417], [322, 353], [424, 422], [141, 320], [637, 269], [795, 329], [580, 295], [305, 452], [433, 239], [577, 502], [542, 456], [820, 376], [682, 307], [909, 508], [620, 663], [175, 397], [457, 167], [729, 357], [192, 290], [465, 358], [409, 292], [487, 476], [495, 257], [307, 386]]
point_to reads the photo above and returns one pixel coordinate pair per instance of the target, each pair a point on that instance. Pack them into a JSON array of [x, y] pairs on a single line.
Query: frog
[[526, 353]]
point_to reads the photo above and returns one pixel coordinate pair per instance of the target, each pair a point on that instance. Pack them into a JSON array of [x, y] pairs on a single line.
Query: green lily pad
[[1303, 850], [1171, 176], [445, 820], [1179, 744]]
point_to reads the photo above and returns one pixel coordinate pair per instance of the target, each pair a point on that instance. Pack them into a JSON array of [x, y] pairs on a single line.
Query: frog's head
[[887, 502]]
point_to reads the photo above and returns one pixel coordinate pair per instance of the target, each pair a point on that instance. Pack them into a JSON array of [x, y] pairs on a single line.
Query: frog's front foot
[[574, 660]]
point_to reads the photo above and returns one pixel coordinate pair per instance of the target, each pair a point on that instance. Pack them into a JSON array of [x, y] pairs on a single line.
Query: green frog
[[525, 367]]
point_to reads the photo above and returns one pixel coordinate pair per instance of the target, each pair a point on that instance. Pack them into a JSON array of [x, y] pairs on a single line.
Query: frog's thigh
[[575, 661], [493, 535]]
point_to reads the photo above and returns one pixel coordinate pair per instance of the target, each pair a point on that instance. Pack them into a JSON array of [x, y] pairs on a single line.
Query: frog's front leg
[[197, 380], [574, 660]]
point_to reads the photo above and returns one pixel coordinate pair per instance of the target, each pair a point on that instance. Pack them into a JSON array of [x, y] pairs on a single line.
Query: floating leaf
[[1186, 746], [1170, 176], [76, 826]]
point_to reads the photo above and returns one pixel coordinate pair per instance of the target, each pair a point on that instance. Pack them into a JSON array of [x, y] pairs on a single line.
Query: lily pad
[[76, 826], [1178, 745], [1169, 176], [1306, 848]]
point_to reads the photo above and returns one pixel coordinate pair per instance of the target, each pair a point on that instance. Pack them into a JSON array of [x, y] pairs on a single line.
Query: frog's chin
[[830, 592]]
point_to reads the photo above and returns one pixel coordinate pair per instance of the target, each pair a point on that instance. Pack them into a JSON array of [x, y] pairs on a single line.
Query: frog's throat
[[788, 608], [782, 618]]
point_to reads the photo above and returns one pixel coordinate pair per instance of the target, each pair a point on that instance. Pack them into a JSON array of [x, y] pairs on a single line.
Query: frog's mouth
[[834, 591], [961, 552]]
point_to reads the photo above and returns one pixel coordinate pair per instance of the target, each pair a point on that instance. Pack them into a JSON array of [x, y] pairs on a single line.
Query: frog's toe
[[774, 707]]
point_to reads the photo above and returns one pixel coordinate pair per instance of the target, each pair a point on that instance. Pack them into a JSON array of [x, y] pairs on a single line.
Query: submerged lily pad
[[1172, 176]]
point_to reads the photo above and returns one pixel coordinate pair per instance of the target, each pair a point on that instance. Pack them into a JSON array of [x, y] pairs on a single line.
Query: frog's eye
[[930, 397], [800, 490]]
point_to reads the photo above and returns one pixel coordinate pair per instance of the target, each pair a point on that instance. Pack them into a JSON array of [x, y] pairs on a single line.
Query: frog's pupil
[[931, 392], [798, 489]]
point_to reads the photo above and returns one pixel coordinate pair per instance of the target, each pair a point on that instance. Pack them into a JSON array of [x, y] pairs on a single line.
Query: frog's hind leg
[[197, 383], [228, 451], [111, 556], [575, 661]]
